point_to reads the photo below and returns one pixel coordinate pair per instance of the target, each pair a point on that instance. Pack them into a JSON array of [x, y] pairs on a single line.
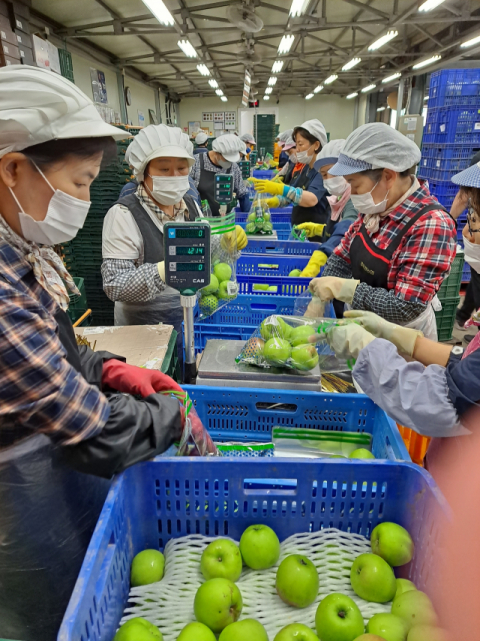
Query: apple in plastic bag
[[221, 559], [245, 630], [196, 632], [373, 579], [304, 357], [274, 326], [338, 619], [393, 543], [297, 581], [296, 632], [277, 351], [218, 603], [301, 334], [260, 547]]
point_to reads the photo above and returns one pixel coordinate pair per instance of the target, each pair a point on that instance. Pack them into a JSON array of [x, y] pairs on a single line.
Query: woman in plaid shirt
[[395, 256]]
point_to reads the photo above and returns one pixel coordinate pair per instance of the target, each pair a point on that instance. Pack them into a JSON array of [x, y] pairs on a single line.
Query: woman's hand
[[329, 287], [347, 341]]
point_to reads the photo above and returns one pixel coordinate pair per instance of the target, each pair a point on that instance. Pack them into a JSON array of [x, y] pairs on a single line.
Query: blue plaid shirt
[[39, 390]]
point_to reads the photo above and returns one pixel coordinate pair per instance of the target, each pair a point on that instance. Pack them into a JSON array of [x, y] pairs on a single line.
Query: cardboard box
[[5, 9], [26, 56], [9, 50], [21, 23], [7, 35], [22, 10], [23, 39], [6, 61], [141, 345]]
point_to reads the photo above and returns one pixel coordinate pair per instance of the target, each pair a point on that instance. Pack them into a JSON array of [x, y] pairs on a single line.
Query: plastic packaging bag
[[298, 234], [223, 286], [195, 440], [312, 307], [309, 443], [293, 342], [259, 219]]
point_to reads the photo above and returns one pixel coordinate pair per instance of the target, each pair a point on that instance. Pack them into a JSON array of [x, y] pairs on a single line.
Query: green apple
[[259, 287], [338, 619], [221, 558], [196, 632], [212, 286], [260, 547], [426, 633], [361, 452], [369, 637], [223, 291], [148, 567], [274, 327], [208, 304], [252, 217], [301, 334], [254, 349], [373, 579], [304, 357], [295, 273], [243, 630], [218, 603], [138, 629], [388, 626], [393, 543], [296, 632], [297, 581], [277, 351], [222, 271], [416, 608], [404, 585]]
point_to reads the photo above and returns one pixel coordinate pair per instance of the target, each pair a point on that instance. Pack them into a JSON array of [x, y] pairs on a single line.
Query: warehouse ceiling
[[230, 37]]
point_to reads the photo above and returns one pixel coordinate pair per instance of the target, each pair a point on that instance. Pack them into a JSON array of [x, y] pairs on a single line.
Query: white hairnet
[[37, 105], [158, 141], [201, 138], [376, 145], [316, 129], [329, 154], [288, 144], [248, 138], [284, 135], [229, 146]]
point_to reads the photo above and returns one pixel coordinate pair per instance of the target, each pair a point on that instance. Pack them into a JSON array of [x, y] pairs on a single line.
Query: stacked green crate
[[264, 132], [449, 295], [66, 64]]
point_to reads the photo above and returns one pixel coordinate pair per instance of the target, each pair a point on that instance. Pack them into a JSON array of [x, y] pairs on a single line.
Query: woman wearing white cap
[[287, 161], [304, 188], [249, 141], [396, 255], [222, 159], [201, 140], [54, 414]]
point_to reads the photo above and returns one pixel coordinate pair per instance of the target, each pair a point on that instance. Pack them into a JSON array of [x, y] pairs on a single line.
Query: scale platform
[[218, 369], [272, 236]]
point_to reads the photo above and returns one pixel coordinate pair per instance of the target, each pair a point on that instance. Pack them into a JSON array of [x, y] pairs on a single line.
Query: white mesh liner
[[169, 603]]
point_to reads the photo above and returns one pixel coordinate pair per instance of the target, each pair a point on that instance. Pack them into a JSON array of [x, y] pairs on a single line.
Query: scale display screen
[[187, 255], [190, 267], [189, 233], [190, 251]]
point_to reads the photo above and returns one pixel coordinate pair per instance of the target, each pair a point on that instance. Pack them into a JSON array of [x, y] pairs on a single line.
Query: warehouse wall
[[143, 99], [81, 73]]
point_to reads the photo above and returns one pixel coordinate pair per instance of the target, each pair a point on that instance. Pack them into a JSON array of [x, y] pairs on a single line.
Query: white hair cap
[[201, 138], [248, 138], [285, 135], [316, 129], [229, 146], [376, 145], [37, 105], [329, 154], [158, 141]]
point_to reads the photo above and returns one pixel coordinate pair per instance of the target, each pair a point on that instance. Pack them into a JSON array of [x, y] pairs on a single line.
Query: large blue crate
[[441, 162], [153, 502], [257, 265], [454, 87], [449, 125], [250, 309], [267, 246]]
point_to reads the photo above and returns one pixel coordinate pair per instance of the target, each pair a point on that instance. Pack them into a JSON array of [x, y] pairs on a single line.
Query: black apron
[[308, 214], [370, 264], [206, 187], [47, 517]]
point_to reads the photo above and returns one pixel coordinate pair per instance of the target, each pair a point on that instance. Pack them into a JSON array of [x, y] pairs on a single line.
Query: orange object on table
[[416, 444]]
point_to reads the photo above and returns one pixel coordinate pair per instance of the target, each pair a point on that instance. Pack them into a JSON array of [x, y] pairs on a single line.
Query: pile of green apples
[[259, 222], [281, 345], [217, 289]]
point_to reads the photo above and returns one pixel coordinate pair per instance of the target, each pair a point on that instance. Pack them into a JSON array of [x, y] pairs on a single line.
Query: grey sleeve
[[195, 171], [336, 266], [384, 303], [124, 281], [410, 393], [239, 187]]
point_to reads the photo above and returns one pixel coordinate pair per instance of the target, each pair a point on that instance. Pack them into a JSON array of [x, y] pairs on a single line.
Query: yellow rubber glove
[[311, 229], [234, 240], [278, 179], [330, 287], [349, 340], [242, 240], [316, 262], [403, 338], [273, 203], [268, 187], [161, 270]]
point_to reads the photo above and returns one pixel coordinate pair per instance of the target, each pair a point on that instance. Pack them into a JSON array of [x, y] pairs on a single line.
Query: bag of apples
[[195, 440]]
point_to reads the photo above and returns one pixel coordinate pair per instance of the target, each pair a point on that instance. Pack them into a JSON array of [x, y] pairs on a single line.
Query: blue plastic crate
[[250, 310], [448, 125], [266, 246], [466, 276], [441, 162], [256, 265], [264, 174], [286, 285], [153, 502], [454, 87], [444, 191]]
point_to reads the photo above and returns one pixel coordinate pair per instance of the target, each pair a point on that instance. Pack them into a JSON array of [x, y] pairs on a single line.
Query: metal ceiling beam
[[364, 7]]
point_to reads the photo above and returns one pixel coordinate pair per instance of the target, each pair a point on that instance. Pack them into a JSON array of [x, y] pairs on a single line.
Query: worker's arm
[[335, 239], [429, 352], [244, 202], [459, 204], [337, 266]]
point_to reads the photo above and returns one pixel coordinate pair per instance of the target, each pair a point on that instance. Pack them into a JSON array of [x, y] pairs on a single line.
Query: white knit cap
[[201, 138], [316, 129], [229, 146]]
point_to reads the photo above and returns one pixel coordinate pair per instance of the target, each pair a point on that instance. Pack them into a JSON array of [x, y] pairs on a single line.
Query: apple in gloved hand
[[196, 632], [296, 632], [260, 547], [245, 630], [393, 543], [388, 626], [221, 559], [218, 603], [416, 608], [373, 579], [338, 619], [147, 567], [138, 629], [297, 581]]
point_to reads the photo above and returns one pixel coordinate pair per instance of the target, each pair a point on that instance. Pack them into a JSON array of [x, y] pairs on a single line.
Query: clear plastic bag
[[298, 234], [259, 219], [312, 307], [223, 287], [307, 443], [293, 342], [195, 440]]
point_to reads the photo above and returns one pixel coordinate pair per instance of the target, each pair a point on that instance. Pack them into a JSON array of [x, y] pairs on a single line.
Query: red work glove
[[130, 379]]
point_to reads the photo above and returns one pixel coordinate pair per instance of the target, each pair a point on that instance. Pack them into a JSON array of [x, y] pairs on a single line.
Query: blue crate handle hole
[[272, 487]]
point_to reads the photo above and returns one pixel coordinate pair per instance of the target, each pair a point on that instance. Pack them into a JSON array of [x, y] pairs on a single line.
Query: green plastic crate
[[171, 365], [446, 318], [78, 303], [450, 287]]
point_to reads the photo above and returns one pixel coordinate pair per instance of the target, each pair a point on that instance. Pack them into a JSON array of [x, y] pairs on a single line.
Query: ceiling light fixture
[[219, 92], [204, 70], [310, 95], [272, 81], [352, 95], [430, 4], [160, 11], [390, 35], [331, 79], [268, 91], [224, 98], [266, 97], [352, 63], [298, 7], [470, 43], [213, 83], [425, 63], [187, 48], [286, 44], [318, 88], [277, 66], [394, 76], [368, 88], [381, 109]]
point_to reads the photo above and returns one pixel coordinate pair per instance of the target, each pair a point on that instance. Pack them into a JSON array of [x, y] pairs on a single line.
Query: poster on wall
[[207, 117], [141, 118], [230, 115], [99, 86], [41, 52], [193, 127], [53, 57], [219, 116]]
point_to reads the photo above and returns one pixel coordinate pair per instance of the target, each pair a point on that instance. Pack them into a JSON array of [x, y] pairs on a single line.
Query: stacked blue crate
[[451, 135]]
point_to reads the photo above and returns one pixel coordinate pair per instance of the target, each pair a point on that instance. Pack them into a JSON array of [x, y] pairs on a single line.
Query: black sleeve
[[137, 430], [92, 364]]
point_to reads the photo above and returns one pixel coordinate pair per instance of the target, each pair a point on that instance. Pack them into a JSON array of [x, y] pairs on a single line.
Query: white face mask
[[65, 217], [365, 204], [304, 157], [336, 185], [224, 164], [169, 190], [293, 158]]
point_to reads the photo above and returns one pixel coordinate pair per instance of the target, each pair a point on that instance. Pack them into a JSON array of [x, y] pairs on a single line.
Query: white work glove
[[161, 270], [315, 309], [347, 341], [330, 287], [403, 338]]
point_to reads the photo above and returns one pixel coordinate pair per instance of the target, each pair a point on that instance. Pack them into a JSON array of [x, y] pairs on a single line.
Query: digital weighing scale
[[223, 185]]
